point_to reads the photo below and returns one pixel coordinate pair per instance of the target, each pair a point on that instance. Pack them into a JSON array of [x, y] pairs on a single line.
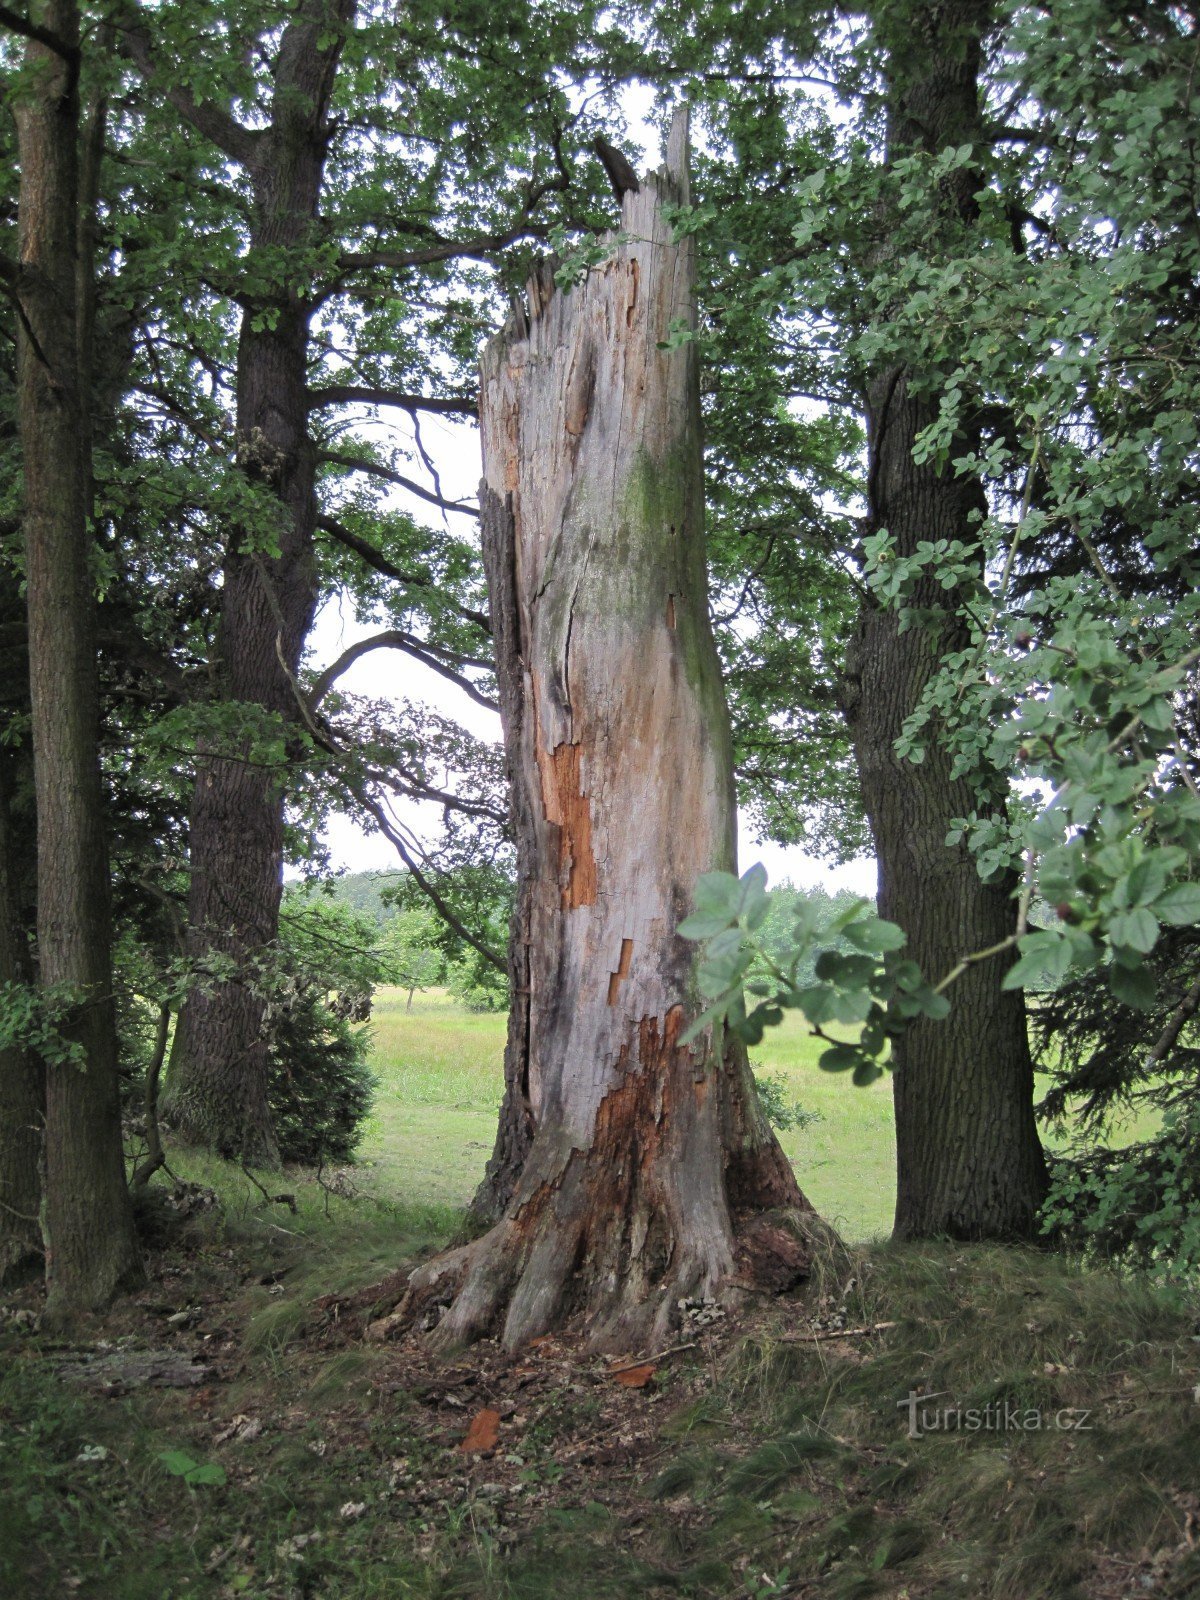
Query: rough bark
[[22, 1094], [91, 1250], [969, 1162], [216, 1092], [651, 1173]]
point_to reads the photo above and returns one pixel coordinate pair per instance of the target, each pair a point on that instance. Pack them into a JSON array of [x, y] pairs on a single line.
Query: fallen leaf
[[352, 1510], [483, 1432], [635, 1377]]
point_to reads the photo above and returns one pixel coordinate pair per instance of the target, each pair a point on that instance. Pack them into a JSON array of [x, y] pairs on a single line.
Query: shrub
[[782, 1111], [1139, 1205], [321, 1087]]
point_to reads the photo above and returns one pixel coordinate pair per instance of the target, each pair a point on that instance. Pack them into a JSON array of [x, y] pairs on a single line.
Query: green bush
[[1139, 1205], [783, 1112], [321, 1087]]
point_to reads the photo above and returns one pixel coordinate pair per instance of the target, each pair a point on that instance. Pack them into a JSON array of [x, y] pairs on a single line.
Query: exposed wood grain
[[642, 1160]]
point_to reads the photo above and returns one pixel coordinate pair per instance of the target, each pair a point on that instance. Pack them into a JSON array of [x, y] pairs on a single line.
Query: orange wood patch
[[484, 1431], [635, 1377]]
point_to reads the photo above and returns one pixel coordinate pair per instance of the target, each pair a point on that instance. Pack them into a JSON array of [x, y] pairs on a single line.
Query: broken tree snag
[[648, 1172]]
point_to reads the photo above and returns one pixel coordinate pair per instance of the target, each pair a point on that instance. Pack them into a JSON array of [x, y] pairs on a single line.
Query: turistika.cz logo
[[998, 1416]]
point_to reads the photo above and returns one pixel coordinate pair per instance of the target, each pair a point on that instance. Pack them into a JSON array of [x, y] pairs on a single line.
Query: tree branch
[[379, 562], [481, 248], [348, 394], [15, 23], [424, 884], [394, 639], [375, 469], [238, 142]]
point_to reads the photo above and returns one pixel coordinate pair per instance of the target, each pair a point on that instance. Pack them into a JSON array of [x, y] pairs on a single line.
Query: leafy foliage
[[869, 986]]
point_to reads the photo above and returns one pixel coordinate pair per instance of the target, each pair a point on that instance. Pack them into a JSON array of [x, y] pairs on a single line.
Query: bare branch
[[1165, 1043], [375, 469], [425, 885], [379, 562], [480, 248], [396, 639]]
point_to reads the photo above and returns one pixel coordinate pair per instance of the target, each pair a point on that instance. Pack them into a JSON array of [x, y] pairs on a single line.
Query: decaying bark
[[650, 1174]]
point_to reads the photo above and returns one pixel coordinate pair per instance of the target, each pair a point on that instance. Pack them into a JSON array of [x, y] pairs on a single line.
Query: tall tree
[[651, 1172], [333, 175], [22, 1094], [969, 1162], [219, 1066], [91, 1249]]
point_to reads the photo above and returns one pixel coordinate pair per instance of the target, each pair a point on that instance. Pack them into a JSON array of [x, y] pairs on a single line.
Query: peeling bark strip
[[567, 806], [629, 1172]]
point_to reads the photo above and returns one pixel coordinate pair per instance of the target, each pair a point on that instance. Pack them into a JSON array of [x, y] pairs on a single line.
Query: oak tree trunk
[[216, 1091], [22, 1092], [969, 1162], [91, 1250], [651, 1173]]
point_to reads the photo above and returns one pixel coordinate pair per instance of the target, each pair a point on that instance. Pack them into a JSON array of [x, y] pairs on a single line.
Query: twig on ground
[[645, 1361], [836, 1333]]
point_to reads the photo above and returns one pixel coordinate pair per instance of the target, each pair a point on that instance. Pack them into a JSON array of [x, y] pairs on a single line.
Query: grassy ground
[[440, 1079], [770, 1456]]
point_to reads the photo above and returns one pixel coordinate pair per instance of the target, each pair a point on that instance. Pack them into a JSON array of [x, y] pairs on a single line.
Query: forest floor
[[232, 1431]]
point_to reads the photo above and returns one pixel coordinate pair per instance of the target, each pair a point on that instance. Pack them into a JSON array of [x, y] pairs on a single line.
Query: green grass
[[441, 1076], [440, 1073], [779, 1465]]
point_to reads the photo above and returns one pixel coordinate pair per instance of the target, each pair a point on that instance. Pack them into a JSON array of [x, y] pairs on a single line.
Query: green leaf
[[936, 1006], [716, 895], [1133, 985], [1136, 929], [866, 1073], [853, 1005], [829, 966], [1146, 882], [750, 900], [210, 1472], [177, 1462], [840, 1058], [1179, 906], [817, 1003], [702, 925], [695, 1029], [874, 935]]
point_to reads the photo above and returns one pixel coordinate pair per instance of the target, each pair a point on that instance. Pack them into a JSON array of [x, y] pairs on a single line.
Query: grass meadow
[[440, 1076], [439, 1070]]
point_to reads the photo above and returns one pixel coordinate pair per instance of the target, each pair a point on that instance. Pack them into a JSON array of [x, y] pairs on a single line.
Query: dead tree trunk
[[651, 1172]]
